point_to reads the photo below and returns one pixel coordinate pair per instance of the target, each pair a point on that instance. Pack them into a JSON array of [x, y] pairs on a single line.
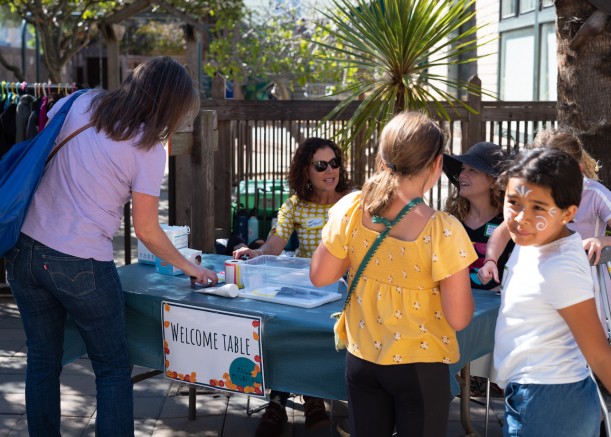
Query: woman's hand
[[593, 246], [245, 251], [202, 275], [488, 272]]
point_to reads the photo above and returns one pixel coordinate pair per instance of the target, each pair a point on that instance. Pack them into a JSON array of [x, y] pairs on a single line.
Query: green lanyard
[[388, 224]]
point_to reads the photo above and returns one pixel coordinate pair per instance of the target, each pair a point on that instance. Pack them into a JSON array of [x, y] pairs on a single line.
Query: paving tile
[[12, 365], [161, 405], [7, 423], [77, 384], [12, 348], [148, 407], [12, 383], [211, 426], [78, 405], [12, 403]]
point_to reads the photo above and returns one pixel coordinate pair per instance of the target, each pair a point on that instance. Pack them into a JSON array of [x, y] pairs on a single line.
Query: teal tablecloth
[[299, 355]]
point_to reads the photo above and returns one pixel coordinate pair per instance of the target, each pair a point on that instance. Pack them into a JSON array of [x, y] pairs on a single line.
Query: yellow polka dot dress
[[395, 315], [306, 218]]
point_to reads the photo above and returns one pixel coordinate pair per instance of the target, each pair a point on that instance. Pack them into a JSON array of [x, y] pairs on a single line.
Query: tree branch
[[190, 19], [128, 11], [16, 70]]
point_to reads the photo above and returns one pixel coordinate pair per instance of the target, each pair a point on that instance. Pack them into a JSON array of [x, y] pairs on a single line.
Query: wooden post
[[205, 143], [113, 34], [476, 127], [222, 168], [181, 181]]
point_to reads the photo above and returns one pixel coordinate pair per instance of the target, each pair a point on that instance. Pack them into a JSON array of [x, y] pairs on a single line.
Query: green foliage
[[67, 26], [398, 48], [155, 38], [264, 46]]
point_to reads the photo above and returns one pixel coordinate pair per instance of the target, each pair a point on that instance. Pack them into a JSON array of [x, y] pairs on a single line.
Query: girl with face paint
[[547, 332]]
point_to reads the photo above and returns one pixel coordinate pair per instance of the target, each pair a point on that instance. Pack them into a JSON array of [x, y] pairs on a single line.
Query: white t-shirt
[[533, 343]]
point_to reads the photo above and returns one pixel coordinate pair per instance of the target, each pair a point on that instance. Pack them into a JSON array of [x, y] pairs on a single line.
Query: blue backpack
[[20, 172]]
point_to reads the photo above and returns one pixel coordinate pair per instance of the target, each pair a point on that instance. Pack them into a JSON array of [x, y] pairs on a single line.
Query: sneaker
[[315, 414], [343, 428], [272, 422]]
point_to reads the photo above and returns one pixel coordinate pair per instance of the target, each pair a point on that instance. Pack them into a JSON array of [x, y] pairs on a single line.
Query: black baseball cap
[[485, 157]]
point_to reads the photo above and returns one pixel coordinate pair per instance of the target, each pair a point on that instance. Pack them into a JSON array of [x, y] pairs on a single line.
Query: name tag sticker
[[489, 229], [314, 222]]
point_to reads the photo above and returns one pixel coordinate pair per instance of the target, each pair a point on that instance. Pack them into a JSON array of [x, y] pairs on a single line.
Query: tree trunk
[[584, 81]]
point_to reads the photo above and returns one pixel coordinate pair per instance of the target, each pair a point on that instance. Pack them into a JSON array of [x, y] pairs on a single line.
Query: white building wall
[[488, 13]]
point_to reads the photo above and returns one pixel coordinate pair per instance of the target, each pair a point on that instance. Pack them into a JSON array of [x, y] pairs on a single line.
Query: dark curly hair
[[298, 171]]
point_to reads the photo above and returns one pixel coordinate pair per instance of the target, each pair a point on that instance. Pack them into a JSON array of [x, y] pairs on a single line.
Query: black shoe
[[273, 421], [343, 428], [315, 414]]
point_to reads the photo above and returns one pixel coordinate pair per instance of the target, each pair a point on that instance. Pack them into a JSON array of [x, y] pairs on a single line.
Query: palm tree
[[398, 47]]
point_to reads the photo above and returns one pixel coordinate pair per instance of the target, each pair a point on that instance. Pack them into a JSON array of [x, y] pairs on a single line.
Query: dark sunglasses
[[321, 166]]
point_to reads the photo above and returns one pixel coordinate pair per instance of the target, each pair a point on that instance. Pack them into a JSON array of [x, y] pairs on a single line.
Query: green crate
[[265, 195]]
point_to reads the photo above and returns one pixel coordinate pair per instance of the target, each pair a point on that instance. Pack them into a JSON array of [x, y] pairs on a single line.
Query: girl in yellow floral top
[[319, 179], [400, 323]]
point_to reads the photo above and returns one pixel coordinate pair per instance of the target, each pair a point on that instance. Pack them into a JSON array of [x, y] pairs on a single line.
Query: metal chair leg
[[249, 411], [487, 404]]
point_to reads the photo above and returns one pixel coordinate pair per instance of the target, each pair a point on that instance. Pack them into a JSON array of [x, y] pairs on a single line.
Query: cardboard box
[[166, 268], [178, 235]]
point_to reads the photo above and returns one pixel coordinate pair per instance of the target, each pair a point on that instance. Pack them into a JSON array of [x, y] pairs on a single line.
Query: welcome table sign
[[215, 349]]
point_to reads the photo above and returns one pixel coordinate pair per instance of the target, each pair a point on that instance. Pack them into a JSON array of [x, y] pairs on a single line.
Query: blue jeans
[[552, 410], [48, 285]]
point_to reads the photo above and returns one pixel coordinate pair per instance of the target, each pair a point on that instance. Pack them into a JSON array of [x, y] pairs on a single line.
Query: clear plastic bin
[[284, 280]]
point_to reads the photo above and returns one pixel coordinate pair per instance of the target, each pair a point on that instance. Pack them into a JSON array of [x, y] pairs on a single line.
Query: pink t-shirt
[[78, 205]]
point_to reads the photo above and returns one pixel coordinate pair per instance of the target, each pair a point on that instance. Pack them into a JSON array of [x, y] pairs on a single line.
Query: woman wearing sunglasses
[[318, 179]]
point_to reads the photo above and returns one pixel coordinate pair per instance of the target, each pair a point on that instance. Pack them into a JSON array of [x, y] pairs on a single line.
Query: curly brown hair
[[298, 171], [567, 140], [459, 206]]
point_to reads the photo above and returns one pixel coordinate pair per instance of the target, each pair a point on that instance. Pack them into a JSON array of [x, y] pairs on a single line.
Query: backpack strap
[[68, 138], [388, 224]]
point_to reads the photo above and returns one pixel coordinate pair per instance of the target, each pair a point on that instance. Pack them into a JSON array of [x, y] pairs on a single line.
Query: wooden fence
[[252, 142], [238, 153]]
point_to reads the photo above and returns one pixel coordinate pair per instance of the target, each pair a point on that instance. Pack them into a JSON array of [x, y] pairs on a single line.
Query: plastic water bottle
[[241, 224], [253, 228]]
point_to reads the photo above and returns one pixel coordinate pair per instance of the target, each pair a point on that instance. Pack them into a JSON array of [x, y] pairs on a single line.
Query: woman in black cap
[[477, 202]]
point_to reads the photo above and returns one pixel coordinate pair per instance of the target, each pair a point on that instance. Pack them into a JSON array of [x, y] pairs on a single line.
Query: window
[[509, 8], [528, 68], [527, 5], [548, 70], [517, 65], [513, 8]]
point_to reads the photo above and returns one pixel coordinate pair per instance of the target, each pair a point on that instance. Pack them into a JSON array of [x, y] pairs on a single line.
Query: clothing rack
[[38, 88]]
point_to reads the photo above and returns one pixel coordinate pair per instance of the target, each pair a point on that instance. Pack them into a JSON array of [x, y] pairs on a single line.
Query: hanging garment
[[24, 109]]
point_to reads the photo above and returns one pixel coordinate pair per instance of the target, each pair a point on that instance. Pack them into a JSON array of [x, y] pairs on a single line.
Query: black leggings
[[414, 398]]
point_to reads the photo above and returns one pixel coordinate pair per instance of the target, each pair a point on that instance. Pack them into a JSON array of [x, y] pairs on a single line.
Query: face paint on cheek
[[552, 211], [540, 223], [508, 213]]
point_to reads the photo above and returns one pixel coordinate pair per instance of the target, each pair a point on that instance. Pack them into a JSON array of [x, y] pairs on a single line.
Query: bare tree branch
[[128, 11], [16, 70], [189, 19]]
